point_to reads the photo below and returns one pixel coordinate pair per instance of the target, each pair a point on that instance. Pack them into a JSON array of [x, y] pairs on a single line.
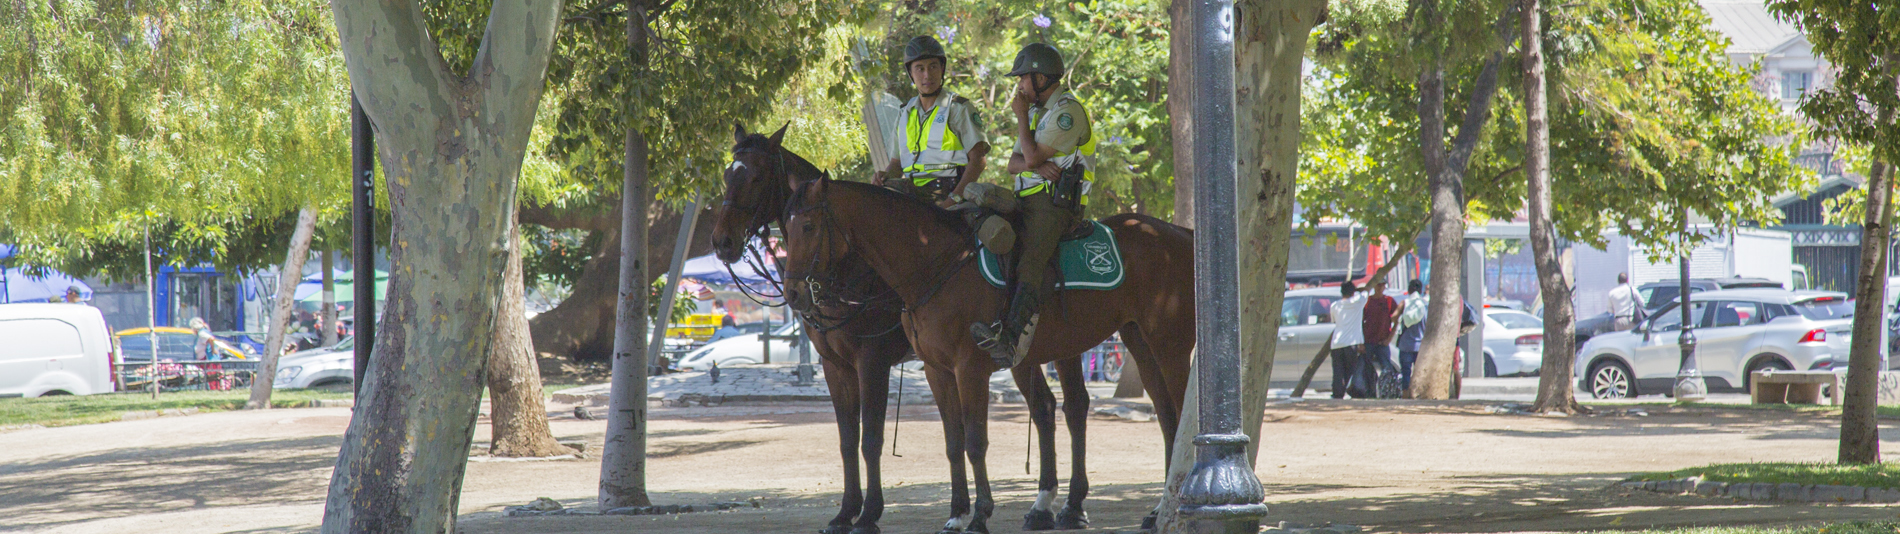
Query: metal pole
[[1689, 385], [151, 307], [803, 339], [1221, 494], [362, 235], [688, 219]]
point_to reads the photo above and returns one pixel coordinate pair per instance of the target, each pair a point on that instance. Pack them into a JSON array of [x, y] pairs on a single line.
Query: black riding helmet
[[1038, 58], [923, 47]]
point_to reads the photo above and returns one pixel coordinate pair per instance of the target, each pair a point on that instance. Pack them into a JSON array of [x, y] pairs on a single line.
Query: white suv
[[332, 367], [1738, 332]]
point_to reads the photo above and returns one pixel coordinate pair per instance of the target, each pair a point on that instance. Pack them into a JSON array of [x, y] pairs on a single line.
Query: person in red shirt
[[1379, 321]]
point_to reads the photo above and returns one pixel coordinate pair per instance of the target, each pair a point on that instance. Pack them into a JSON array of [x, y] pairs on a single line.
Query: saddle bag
[[1066, 192]]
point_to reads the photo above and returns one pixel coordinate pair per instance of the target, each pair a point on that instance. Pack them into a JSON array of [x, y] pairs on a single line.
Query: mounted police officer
[[1053, 165], [942, 146]]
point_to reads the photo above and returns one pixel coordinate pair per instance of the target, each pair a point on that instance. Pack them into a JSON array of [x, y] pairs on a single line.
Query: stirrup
[[989, 337]]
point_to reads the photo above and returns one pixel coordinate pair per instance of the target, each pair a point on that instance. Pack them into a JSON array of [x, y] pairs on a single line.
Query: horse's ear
[[778, 137], [738, 133]]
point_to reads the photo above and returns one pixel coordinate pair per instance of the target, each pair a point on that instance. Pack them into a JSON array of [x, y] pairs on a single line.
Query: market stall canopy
[[311, 289], [16, 285], [708, 269]]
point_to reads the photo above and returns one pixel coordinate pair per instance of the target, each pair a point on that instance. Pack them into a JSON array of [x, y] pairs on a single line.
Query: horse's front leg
[[874, 378], [973, 385], [1042, 414], [943, 386], [842, 382]]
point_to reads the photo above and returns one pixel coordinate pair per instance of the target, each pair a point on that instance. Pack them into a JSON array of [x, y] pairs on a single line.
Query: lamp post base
[[1222, 495], [1690, 388]]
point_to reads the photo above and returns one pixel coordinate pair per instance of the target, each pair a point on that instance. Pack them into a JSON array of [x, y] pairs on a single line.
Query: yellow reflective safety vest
[[931, 149], [1029, 183]]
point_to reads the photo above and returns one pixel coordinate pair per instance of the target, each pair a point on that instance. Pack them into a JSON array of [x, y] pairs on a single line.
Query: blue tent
[[18, 286], [708, 269]]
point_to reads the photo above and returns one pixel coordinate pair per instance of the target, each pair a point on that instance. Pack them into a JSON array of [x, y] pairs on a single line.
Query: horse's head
[[757, 184], [814, 245]]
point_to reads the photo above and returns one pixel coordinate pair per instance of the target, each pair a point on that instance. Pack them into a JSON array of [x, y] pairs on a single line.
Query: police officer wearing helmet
[[941, 144], [1053, 164]]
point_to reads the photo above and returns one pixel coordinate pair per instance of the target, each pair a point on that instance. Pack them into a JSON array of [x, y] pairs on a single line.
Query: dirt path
[[1401, 467]]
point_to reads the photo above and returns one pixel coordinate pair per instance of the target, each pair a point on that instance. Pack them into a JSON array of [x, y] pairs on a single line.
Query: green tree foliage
[[121, 114], [1647, 114]]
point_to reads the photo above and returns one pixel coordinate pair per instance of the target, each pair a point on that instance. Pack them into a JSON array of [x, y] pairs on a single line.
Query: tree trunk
[[1556, 389], [1860, 431], [518, 415], [1270, 44], [327, 311], [1129, 386], [582, 326], [452, 148], [1181, 113], [1431, 374], [623, 461], [280, 308]]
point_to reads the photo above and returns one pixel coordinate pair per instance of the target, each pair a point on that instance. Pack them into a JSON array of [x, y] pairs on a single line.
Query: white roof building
[[1788, 66]]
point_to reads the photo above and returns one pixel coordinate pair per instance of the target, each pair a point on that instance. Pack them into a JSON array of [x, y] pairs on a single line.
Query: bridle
[[759, 248], [823, 285]]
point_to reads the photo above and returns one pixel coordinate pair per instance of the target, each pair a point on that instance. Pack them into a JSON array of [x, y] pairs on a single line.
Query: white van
[[54, 349]]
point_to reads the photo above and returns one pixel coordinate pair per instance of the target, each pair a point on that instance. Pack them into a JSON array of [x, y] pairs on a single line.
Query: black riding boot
[[1008, 340]]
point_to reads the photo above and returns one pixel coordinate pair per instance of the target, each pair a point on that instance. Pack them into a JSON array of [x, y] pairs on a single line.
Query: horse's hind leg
[[1075, 412], [844, 404], [973, 384], [1167, 403], [1042, 414]]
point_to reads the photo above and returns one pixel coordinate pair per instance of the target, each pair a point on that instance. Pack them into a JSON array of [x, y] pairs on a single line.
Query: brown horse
[[854, 327], [927, 256]]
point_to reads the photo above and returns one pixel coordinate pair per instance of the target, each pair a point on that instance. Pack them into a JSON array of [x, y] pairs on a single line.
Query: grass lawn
[[1883, 475], [1857, 527], [67, 410]]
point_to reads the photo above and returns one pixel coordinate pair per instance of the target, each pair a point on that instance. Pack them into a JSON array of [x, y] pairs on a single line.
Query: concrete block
[[1793, 492], [1829, 493], [1650, 485], [1888, 388], [1707, 488], [1883, 495]]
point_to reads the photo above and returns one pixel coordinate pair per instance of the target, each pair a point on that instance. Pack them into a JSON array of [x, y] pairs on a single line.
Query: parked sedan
[[1513, 343], [332, 367], [746, 349], [1738, 332]]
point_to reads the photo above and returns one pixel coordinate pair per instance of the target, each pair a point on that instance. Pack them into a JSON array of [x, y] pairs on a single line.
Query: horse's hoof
[[1148, 523], [836, 529], [865, 529], [1039, 520], [1072, 519]]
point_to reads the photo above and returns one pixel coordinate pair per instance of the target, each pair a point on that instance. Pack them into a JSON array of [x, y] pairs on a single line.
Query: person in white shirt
[[1349, 342], [1625, 306]]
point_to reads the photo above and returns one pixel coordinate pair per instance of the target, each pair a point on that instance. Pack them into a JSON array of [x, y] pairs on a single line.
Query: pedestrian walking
[[1349, 341], [1625, 304], [1411, 329]]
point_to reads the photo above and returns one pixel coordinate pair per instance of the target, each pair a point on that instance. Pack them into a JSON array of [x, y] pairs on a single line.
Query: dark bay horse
[[926, 255], [855, 330]]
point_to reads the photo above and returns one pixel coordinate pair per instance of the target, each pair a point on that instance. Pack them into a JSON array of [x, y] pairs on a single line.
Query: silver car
[[746, 349], [1737, 331], [332, 368]]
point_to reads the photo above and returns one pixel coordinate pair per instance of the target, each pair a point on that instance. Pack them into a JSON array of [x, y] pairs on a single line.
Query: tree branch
[[513, 59], [394, 63]]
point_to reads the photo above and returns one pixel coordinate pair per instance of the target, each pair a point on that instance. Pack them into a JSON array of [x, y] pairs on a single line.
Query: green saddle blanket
[[1092, 262]]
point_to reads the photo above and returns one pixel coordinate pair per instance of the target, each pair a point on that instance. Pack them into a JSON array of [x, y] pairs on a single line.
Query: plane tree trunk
[[1860, 431], [582, 326], [287, 281], [517, 413], [1556, 387], [451, 147]]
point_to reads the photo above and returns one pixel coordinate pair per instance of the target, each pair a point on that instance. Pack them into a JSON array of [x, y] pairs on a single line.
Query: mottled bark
[[287, 280], [451, 147], [1181, 113], [517, 413], [1269, 44], [1860, 431], [1556, 386]]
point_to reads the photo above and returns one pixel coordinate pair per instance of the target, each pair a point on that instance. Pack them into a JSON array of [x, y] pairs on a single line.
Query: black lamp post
[[1689, 385], [1221, 495]]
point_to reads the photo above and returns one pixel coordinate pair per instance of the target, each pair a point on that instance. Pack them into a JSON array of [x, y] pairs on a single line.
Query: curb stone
[[1759, 491]]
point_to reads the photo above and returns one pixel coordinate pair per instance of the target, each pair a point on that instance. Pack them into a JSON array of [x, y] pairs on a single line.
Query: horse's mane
[[946, 218], [794, 163]]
